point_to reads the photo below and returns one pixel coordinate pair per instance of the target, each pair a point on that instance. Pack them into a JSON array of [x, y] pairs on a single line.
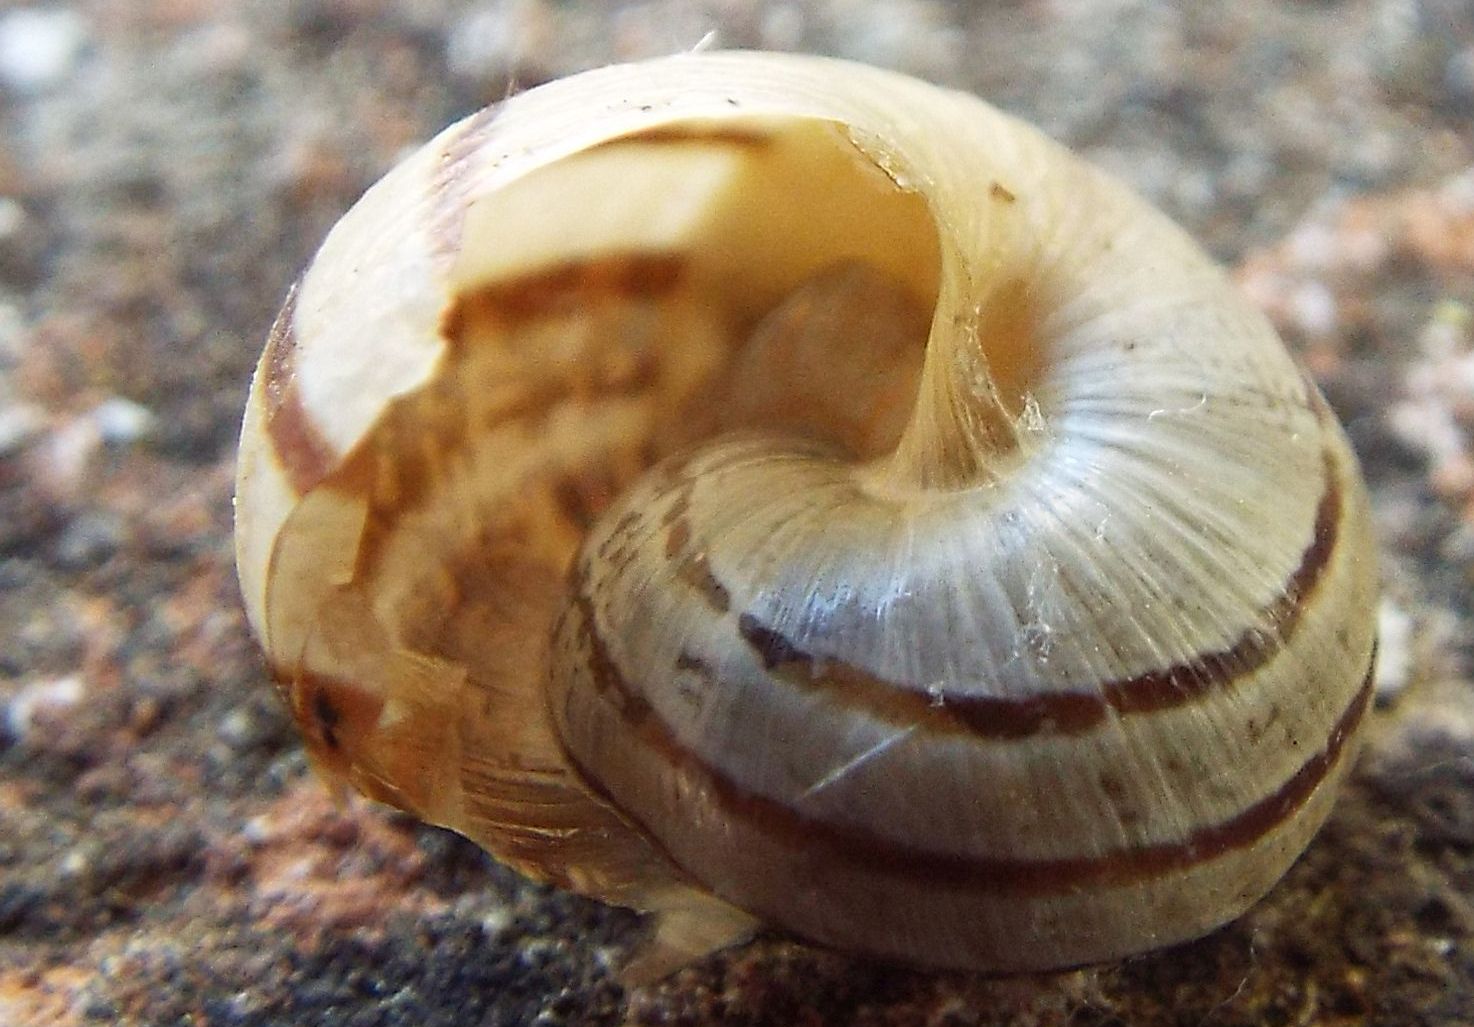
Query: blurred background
[[166, 168]]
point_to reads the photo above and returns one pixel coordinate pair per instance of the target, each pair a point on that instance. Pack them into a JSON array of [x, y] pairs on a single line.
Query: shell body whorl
[[777, 479]]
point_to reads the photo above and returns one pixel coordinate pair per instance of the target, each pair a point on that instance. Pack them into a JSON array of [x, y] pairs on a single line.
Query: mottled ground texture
[[165, 168]]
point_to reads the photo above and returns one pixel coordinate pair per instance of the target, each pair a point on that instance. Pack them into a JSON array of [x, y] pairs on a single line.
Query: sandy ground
[[166, 166]]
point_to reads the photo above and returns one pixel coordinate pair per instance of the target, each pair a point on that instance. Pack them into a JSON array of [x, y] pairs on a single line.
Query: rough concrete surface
[[166, 166]]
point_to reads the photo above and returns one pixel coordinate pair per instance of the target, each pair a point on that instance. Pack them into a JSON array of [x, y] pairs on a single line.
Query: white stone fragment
[[39, 47], [1394, 649], [50, 694]]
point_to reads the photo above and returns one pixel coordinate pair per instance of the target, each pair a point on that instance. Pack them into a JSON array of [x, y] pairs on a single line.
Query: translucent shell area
[[756, 486]]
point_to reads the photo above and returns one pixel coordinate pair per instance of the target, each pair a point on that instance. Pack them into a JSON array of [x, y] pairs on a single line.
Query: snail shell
[[753, 486]]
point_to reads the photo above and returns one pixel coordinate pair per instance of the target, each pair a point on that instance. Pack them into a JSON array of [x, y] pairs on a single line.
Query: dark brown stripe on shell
[[418, 436], [695, 573], [563, 287], [1255, 647], [875, 854], [687, 663], [691, 568], [1066, 712], [633, 709], [300, 447], [334, 714]]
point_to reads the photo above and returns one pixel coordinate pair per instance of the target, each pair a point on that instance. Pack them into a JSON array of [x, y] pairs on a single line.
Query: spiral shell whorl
[[1040, 644]]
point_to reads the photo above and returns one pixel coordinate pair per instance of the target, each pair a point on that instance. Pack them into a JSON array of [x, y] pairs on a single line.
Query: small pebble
[[238, 729], [121, 421], [39, 47], [73, 864], [89, 539], [1394, 650], [499, 41], [51, 695], [64, 458], [1314, 309]]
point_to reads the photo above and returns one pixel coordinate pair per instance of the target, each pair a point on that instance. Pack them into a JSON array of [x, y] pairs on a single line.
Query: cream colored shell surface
[[752, 485]]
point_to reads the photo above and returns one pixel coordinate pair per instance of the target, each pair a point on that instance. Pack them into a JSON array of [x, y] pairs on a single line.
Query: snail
[[760, 488]]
